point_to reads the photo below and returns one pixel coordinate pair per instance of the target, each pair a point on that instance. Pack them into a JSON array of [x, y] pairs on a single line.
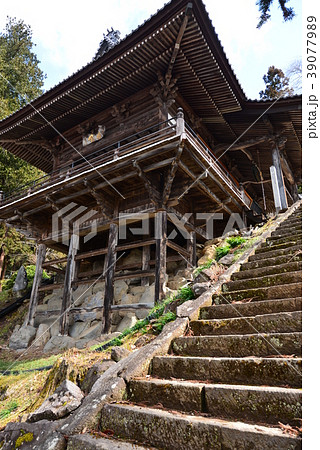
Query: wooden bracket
[[171, 174], [153, 193], [100, 199]]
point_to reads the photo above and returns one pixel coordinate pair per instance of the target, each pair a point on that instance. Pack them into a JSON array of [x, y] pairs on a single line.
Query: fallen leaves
[[288, 429]]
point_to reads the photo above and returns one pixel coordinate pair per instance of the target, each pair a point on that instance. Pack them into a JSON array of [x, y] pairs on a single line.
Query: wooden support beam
[[52, 203], [203, 187], [153, 194], [192, 250], [171, 174], [41, 254], [161, 254], [100, 199], [136, 244], [136, 274], [132, 306], [54, 261], [67, 290], [178, 248], [288, 172], [213, 177], [145, 264], [177, 43], [192, 247], [219, 149], [109, 272], [55, 269], [277, 164]]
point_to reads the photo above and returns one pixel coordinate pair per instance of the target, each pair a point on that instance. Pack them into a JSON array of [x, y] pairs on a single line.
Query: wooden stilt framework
[[109, 272], [41, 254], [145, 264], [67, 289], [277, 164], [161, 254]]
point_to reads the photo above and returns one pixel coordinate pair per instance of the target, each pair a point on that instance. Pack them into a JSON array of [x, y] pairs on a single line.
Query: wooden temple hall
[[156, 126]]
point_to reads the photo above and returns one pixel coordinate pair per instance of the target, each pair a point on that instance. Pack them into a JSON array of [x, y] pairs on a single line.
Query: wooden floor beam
[[67, 289], [161, 254], [41, 254], [109, 272]]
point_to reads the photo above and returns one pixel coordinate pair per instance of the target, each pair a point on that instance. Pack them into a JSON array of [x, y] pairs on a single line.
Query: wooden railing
[[106, 154], [120, 148]]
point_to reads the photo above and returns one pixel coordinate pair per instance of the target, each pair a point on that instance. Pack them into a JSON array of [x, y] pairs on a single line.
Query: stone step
[[286, 232], [263, 281], [290, 225], [267, 405], [272, 344], [264, 293], [89, 442], [172, 431], [270, 248], [284, 322], [269, 270], [251, 308], [292, 221], [274, 253], [267, 262], [249, 371], [276, 240]]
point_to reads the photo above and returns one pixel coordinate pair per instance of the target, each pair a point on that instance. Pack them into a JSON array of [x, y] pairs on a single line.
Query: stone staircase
[[236, 375]]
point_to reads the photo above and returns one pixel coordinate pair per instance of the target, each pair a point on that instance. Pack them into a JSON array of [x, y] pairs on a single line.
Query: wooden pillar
[[67, 290], [192, 250], [180, 127], [161, 254], [282, 189], [145, 264], [41, 254], [109, 270]]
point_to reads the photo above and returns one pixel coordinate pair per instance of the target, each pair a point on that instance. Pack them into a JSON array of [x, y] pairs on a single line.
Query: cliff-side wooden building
[[156, 125]]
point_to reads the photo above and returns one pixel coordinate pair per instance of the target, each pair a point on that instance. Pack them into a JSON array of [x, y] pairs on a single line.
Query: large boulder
[[120, 289], [81, 294], [78, 328], [66, 398], [54, 304], [42, 336], [57, 343], [86, 316], [22, 337], [148, 295], [92, 332], [94, 301], [21, 281], [118, 353], [127, 322], [28, 436], [209, 254], [134, 257], [227, 260], [94, 373]]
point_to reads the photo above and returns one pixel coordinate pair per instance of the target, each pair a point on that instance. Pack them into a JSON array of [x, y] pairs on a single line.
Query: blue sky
[[67, 33]]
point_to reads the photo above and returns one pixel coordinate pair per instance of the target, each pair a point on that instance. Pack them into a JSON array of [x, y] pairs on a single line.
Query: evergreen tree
[[21, 80], [264, 8], [277, 85]]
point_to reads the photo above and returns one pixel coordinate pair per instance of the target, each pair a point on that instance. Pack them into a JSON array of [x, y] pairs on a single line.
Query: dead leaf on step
[[106, 433], [245, 300], [288, 429]]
